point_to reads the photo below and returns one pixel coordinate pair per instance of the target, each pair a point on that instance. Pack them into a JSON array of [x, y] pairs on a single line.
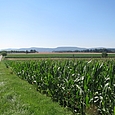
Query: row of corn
[[87, 87]]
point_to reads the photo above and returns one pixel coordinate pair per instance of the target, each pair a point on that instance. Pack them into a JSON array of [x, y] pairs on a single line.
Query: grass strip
[[17, 97], [61, 55]]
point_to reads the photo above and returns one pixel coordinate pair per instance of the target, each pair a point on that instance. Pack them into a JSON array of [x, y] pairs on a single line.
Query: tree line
[[91, 50], [16, 51]]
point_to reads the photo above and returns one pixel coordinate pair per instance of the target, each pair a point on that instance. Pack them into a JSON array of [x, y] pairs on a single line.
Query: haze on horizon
[[56, 23]]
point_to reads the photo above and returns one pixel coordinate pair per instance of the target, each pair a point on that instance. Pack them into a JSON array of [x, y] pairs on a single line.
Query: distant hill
[[49, 49], [37, 49], [68, 49], [59, 49]]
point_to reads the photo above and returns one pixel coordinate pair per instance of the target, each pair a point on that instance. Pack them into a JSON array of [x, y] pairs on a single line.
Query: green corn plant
[[85, 86]]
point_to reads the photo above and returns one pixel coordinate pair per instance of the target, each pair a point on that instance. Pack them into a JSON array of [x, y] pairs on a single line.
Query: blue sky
[[54, 23]]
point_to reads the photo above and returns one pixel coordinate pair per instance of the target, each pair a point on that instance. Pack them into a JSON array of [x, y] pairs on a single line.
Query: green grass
[[60, 55], [83, 85], [17, 97], [53, 55]]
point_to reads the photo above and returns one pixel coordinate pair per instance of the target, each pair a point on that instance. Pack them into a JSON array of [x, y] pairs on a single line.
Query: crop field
[[85, 86], [59, 55], [18, 97]]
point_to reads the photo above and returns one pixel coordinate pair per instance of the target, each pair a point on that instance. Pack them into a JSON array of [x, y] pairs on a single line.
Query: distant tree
[[27, 51], [4, 53], [33, 51], [104, 54]]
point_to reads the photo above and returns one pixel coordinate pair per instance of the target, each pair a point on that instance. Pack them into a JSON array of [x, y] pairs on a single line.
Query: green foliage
[[104, 54], [59, 55], [4, 53], [54, 55], [84, 86], [17, 97]]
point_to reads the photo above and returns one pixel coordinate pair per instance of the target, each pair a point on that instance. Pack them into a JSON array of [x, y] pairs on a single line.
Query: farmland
[[37, 56], [85, 86], [17, 97]]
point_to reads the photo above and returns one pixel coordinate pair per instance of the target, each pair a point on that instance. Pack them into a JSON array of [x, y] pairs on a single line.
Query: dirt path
[[0, 57]]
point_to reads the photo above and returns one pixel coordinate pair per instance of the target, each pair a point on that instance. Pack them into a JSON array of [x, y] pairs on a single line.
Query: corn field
[[86, 87]]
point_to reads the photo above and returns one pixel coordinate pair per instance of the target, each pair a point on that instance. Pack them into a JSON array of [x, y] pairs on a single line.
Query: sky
[[57, 23]]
